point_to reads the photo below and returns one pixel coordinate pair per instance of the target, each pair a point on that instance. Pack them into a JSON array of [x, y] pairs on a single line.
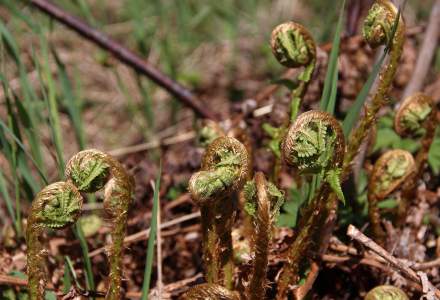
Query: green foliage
[[313, 147], [387, 138], [151, 238], [290, 209], [434, 155], [328, 98], [91, 175], [276, 197]]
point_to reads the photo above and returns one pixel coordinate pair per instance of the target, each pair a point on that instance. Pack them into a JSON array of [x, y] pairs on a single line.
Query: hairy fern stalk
[[57, 206], [225, 168], [93, 170]]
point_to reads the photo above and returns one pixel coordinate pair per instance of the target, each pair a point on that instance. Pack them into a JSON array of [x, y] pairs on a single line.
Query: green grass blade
[[72, 102], [90, 282], [355, 109], [353, 113], [8, 201], [51, 102], [151, 239], [23, 148], [67, 278], [328, 98]]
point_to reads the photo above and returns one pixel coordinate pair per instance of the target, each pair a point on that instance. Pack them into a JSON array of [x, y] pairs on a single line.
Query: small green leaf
[[434, 156], [387, 204]]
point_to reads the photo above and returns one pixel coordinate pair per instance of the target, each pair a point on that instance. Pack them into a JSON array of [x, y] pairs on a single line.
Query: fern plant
[[263, 202], [225, 169], [90, 171], [382, 26], [209, 291], [293, 46], [416, 117], [314, 144], [386, 292], [390, 171], [57, 206]]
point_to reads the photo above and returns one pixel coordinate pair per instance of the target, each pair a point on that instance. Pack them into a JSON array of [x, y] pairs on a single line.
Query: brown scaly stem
[[209, 291], [57, 206], [390, 171], [263, 201], [90, 171], [314, 144], [416, 116], [293, 46], [377, 31], [225, 168]]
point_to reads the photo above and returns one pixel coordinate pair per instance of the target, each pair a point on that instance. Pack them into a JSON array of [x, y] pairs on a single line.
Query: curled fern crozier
[[386, 292], [292, 45], [225, 168], [390, 171], [208, 291], [92, 170], [314, 144], [57, 206]]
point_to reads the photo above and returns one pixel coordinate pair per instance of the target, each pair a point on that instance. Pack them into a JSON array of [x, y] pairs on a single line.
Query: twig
[[426, 53], [301, 292], [143, 235], [125, 55], [397, 264], [187, 136]]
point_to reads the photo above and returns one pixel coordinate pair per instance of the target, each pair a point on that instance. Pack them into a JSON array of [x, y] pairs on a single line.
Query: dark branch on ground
[[125, 55]]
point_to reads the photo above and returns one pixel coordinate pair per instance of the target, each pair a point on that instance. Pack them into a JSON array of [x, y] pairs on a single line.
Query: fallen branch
[[124, 55], [416, 277]]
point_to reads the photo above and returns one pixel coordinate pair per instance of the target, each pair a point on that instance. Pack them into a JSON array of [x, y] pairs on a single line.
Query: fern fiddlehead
[[58, 205], [90, 171], [417, 116], [386, 292], [378, 30], [209, 291], [314, 144], [294, 47], [390, 171], [225, 168], [264, 201]]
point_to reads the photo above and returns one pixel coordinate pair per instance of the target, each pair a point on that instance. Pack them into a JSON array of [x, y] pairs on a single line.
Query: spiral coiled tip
[[57, 205], [208, 291], [413, 114], [225, 168], [386, 292], [292, 45], [390, 171], [89, 170], [378, 25], [314, 142]]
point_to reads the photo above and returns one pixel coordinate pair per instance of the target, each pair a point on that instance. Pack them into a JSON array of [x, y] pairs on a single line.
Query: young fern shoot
[[90, 171], [390, 171], [264, 201], [386, 292], [314, 145], [225, 168], [57, 206], [293, 46], [417, 116], [379, 29], [209, 291]]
